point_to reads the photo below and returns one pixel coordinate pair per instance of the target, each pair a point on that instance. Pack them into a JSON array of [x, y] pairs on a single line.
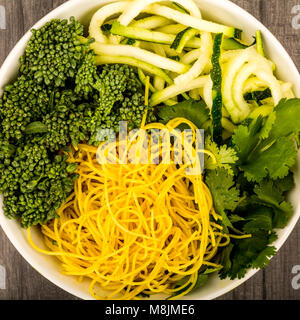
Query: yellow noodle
[[136, 228]]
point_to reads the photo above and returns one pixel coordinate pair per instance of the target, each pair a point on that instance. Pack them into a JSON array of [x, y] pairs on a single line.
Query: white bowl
[[222, 11]]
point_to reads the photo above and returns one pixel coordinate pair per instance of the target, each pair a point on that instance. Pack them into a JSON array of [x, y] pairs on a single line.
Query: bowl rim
[[10, 60]]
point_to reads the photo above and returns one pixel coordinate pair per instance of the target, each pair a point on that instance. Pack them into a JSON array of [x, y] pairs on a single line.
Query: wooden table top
[[24, 283]]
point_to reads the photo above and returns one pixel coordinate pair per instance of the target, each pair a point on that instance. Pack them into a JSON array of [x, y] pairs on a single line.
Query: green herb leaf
[[287, 119], [225, 194], [194, 111], [271, 194], [246, 138], [225, 156], [274, 162], [259, 218], [263, 259], [247, 253]]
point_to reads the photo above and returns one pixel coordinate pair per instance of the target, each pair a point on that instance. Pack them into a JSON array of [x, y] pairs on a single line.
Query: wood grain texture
[[24, 283]]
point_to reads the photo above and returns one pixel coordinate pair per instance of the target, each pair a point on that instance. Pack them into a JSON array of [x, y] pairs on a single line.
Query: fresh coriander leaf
[[287, 119], [201, 281], [246, 138], [282, 215], [225, 261], [225, 194], [263, 259], [286, 184], [268, 192], [269, 123], [259, 218], [225, 156], [234, 218], [194, 111], [244, 185], [274, 162], [244, 255], [273, 237], [263, 145], [212, 270], [270, 195]]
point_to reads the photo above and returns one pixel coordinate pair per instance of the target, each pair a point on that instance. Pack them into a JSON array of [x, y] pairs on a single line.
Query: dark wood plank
[[14, 27], [23, 282], [278, 275]]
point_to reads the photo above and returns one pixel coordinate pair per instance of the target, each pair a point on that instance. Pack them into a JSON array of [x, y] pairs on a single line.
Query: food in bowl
[[143, 227]]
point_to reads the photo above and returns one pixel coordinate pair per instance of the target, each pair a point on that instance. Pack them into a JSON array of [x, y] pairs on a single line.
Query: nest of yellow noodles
[[136, 229]]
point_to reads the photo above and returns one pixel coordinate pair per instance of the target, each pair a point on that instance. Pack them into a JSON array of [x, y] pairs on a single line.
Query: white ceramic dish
[[222, 11]]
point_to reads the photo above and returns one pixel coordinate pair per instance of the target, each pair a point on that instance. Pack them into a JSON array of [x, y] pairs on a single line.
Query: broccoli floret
[[34, 184], [111, 85], [42, 203], [22, 102], [86, 77], [54, 52], [121, 98], [65, 127], [133, 110], [67, 123], [61, 97]]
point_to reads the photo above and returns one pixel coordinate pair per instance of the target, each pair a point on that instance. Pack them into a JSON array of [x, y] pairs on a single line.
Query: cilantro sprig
[[249, 178], [267, 152], [266, 146]]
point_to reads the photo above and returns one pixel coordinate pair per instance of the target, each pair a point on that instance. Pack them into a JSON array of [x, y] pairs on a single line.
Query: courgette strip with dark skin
[[142, 34], [180, 8], [233, 44], [216, 77], [259, 43], [182, 39], [258, 96]]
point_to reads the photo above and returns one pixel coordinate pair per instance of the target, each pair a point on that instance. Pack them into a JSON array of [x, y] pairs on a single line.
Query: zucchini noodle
[[167, 46], [135, 229], [152, 22], [176, 89], [203, 60], [138, 53], [236, 71], [159, 83], [172, 28], [137, 7], [101, 15]]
